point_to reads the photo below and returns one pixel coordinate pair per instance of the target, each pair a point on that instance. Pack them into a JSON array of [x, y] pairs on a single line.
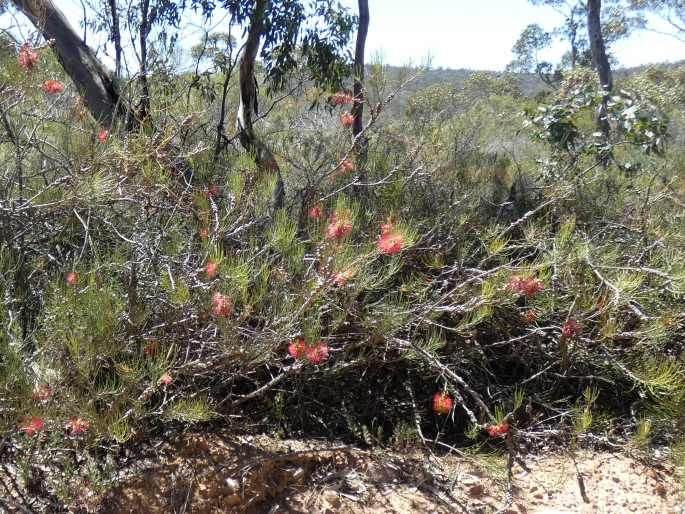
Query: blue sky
[[466, 33]]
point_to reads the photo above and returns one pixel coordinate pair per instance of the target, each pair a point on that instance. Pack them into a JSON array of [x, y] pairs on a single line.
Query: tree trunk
[[248, 102], [599, 59], [116, 38], [78, 61], [145, 24], [362, 31], [574, 44], [361, 143]]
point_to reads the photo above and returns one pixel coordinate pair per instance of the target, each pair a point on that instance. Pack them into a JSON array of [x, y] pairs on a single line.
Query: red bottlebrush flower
[[346, 119], [72, 278], [203, 233], [316, 211], [571, 328], [391, 243], [28, 57], [103, 135], [212, 269], [166, 379], [222, 306], [317, 353], [348, 166], [442, 403], [213, 191], [297, 348], [150, 349], [77, 426], [531, 316], [341, 278], [31, 425], [498, 430], [42, 393], [340, 225], [341, 98], [526, 286], [53, 87], [388, 226]]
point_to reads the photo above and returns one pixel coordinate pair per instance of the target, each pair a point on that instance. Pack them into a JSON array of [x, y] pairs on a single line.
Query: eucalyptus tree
[[599, 59], [286, 35]]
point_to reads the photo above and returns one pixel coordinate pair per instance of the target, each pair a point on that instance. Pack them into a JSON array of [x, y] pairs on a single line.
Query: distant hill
[[529, 84]]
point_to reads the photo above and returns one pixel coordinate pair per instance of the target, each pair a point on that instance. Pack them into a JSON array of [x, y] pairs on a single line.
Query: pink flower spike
[[341, 278], [31, 425], [103, 135], [341, 98], [442, 403], [72, 278], [212, 269], [77, 426], [213, 191], [52, 87], [571, 328], [222, 306], [316, 211], [529, 287], [317, 353], [28, 57], [166, 379], [339, 226], [346, 119], [391, 243], [297, 348]]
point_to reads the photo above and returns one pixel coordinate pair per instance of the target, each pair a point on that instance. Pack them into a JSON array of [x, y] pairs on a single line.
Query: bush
[[508, 277]]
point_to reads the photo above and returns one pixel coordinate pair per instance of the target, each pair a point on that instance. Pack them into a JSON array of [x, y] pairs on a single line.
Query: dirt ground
[[226, 474]]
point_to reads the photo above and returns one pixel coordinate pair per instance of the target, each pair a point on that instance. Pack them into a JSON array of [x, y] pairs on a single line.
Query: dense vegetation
[[489, 268]]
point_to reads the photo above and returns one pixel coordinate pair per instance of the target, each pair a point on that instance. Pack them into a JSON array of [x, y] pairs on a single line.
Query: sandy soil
[[228, 474]]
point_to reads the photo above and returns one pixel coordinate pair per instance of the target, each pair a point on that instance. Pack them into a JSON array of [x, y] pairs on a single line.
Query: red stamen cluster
[[391, 241], [222, 306], [341, 278], [314, 354], [571, 328], [442, 403], [317, 353], [316, 211], [212, 269], [529, 287], [213, 191], [347, 119], [53, 87], [31, 425], [77, 426], [340, 225], [341, 98], [28, 57], [498, 430], [72, 278]]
